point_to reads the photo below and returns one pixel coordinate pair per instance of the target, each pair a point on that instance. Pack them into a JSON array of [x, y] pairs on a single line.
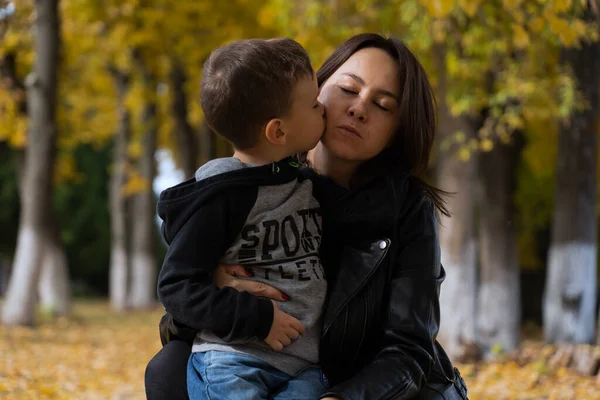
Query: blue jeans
[[216, 375]]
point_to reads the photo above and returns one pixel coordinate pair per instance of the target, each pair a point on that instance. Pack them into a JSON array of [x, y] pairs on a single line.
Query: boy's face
[[305, 123]]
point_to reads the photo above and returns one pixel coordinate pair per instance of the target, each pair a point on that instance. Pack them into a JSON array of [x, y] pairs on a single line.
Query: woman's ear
[[274, 132]]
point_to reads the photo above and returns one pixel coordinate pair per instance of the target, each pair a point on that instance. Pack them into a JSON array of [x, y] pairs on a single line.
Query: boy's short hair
[[248, 82]]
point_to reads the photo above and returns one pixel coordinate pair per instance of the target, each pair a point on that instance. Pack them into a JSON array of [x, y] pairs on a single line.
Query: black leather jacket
[[383, 315]]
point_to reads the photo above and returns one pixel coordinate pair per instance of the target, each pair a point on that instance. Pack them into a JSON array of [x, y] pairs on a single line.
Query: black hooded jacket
[[200, 221]]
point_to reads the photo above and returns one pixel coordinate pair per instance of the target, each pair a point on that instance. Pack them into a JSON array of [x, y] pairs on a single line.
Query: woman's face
[[361, 101]]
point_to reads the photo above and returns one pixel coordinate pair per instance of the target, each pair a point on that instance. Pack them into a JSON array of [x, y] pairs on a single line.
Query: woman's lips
[[349, 131]]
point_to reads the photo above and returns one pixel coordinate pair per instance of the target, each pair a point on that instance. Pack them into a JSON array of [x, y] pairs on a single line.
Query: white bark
[[119, 271], [570, 297], [21, 299], [54, 288]]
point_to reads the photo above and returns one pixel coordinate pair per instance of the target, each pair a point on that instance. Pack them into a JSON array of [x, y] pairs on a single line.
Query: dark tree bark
[[457, 234], [185, 135], [120, 254], [499, 307], [143, 259]]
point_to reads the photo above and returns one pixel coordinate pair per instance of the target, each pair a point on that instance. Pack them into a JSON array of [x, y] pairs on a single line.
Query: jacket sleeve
[[185, 285], [407, 353]]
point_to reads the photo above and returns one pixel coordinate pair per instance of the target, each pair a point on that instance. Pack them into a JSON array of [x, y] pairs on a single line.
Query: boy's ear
[[274, 132]]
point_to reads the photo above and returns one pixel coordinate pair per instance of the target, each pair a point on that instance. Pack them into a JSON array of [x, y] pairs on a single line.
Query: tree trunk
[[54, 287], [143, 260], [120, 255], [54, 290], [186, 136], [5, 272], [457, 234], [208, 144], [570, 293], [499, 307], [19, 307]]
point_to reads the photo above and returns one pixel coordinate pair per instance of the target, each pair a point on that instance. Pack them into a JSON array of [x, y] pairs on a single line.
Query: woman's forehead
[[373, 66]]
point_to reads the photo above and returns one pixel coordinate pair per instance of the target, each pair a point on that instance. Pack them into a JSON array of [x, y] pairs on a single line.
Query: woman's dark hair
[[411, 146]]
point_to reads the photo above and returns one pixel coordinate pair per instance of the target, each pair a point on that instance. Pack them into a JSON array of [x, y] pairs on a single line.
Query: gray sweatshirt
[[279, 243]]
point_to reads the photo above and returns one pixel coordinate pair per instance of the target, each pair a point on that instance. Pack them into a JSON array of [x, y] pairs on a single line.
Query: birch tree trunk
[[19, 307], [499, 306], [571, 285], [120, 255]]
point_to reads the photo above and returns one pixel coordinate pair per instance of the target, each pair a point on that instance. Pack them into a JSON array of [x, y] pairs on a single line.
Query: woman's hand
[[227, 275]]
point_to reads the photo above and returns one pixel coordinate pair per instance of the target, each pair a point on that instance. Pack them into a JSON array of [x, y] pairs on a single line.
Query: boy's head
[[256, 90]]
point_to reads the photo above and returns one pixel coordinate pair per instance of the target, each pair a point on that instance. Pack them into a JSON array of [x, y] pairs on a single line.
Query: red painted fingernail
[[249, 273], [285, 296]]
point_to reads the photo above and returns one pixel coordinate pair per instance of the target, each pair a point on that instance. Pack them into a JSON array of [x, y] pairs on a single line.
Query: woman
[[381, 251]]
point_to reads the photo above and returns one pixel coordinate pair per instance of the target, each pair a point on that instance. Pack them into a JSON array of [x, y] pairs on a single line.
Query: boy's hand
[[284, 329]]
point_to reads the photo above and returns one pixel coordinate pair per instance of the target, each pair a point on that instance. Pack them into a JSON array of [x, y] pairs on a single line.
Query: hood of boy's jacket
[[177, 204]]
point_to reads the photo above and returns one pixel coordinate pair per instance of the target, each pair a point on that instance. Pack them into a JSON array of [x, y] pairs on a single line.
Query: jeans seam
[[206, 364]]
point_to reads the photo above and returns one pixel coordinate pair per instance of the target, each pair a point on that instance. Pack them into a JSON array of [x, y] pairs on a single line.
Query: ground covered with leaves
[[96, 354]]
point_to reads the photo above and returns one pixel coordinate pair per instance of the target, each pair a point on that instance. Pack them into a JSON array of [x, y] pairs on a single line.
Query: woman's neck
[[325, 163]]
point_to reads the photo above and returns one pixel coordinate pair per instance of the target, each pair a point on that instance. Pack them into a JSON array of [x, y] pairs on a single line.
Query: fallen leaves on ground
[[95, 354], [98, 354], [527, 375]]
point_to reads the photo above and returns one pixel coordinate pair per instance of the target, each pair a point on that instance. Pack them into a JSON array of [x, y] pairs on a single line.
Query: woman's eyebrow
[[380, 91]]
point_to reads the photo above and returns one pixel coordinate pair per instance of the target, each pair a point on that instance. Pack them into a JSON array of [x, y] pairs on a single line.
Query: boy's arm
[[185, 286]]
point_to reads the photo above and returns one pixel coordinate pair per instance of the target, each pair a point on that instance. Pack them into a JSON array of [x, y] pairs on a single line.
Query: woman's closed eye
[[381, 107], [348, 90]]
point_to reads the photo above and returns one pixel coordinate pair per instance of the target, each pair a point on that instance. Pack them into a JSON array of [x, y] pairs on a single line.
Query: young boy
[[256, 209]]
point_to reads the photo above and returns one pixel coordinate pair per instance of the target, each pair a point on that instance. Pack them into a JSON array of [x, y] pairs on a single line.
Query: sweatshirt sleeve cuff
[[265, 318]]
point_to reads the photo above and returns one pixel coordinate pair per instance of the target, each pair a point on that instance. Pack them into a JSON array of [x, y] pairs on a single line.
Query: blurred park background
[[99, 112]]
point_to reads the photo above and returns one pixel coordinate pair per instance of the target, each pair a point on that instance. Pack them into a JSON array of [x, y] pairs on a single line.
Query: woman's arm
[[407, 353]]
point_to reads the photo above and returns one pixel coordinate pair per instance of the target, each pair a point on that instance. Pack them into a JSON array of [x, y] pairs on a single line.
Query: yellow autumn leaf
[[560, 27], [579, 27], [469, 6], [18, 139], [561, 6], [135, 184], [537, 24], [486, 145], [512, 4], [135, 149], [520, 36], [464, 154], [438, 31], [438, 8]]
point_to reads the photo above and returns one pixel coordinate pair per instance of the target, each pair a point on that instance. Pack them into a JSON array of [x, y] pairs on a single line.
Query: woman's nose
[[358, 111]]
